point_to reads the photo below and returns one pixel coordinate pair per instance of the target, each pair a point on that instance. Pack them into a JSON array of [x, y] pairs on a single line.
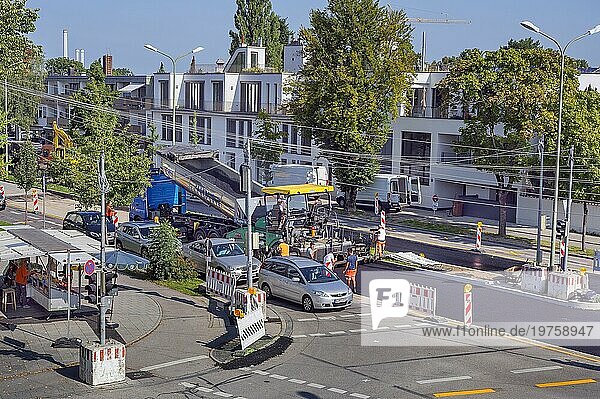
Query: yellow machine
[[61, 141]]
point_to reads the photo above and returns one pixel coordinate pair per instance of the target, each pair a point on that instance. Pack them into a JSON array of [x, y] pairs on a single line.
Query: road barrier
[[468, 301], [220, 283], [248, 302], [251, 327], [534, 279], [479, 236], [562, 285], [36, 204], [2, 195], [102, 364], [422, 299]]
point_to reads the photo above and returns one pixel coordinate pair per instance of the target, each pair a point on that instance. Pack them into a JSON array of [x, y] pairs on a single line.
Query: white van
[[283, 175], [394, 192]]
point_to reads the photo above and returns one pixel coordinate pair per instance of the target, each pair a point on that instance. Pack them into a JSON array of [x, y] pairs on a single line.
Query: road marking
[[423, 324], [15, 213], [327, 318], [337, 332], [278, 377], [299, 336], [337, 390], [382, 328], [402, 325], [204, 389], [446, 379], [360, 395], [174, 362], [594, 359], [188, 384], [565, 383], [309, 319], [359, 330], [222, 394], [313, 385], [317, 335], [460, 393], [349, 315], [295, 381], [260, 372], [535, 369]]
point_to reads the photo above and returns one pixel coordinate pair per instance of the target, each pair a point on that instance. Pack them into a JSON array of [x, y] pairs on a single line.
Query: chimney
[[82, 57], [107, 64], [65, 44], [76, 54]]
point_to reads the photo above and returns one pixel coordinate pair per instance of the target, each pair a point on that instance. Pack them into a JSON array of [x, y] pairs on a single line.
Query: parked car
[[88, 222], [225, 254], [304, 281], [135, 237]]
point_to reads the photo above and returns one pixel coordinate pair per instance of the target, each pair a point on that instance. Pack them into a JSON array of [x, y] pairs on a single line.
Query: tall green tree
[[358, 72], [20, 60], [121, 72], [94, 129], [508, 96], [26, 170], [254, 20], [166, 261], [63, 66]]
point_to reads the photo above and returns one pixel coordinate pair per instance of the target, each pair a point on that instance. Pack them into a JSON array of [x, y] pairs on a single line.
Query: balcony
[[124, 103], [230, 106]]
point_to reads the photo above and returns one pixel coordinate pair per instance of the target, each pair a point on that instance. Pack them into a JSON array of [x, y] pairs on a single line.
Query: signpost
[[435, 203], [468, 301], [89, 268]]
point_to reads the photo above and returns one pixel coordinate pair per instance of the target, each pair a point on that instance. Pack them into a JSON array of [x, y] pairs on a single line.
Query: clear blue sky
[[176, 26]]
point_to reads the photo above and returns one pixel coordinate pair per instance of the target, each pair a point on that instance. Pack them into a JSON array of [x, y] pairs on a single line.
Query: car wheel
[[307, 304], [119, 245], [199, 235], [265, 287], [341, 202], [213, 234]]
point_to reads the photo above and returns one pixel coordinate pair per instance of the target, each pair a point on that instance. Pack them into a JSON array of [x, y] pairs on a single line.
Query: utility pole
[[44, 199], [6, 121], [248, 171], [103, 183], [538, 254], [568, 212]]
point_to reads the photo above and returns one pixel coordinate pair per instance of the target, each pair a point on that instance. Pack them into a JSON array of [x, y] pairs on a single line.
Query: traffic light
[[560, 228], [110, 284], [91, 288]]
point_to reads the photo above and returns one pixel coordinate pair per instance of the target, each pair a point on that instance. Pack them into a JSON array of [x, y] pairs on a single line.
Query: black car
[[88, 222]]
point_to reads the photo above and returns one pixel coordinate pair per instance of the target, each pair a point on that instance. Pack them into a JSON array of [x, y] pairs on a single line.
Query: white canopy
[[12, 247], [131, 87]]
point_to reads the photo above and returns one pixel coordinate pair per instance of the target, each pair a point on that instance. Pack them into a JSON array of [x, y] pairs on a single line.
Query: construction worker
[[284, 249], [21, 279]]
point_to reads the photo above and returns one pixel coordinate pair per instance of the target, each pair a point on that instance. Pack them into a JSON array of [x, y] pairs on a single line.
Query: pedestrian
[[380, 249], [311, 252], [350, 270], [21, 280], [284, 249], [329, 260]]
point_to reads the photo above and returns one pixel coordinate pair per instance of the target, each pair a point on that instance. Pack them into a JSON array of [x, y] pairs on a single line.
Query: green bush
[[166, 260]]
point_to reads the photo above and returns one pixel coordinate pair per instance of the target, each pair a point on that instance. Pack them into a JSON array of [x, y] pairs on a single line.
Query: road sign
[[89, 267], [435, 198], [468, 300], [251, 327]]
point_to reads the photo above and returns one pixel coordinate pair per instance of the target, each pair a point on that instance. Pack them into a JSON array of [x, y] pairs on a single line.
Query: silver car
[[135, 237], [304, 281], [225, 254]]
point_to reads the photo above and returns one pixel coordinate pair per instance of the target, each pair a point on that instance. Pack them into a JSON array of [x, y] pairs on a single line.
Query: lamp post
[[6, 112], [174, 62], [532, 27]]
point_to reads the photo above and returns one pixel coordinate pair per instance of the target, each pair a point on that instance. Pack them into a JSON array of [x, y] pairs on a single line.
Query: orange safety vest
[[22, 274]]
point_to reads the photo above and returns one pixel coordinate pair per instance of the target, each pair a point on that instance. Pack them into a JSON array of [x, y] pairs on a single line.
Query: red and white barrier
[[102, 364], [36, 204], [422, 299], [382, 222], [115, 219], [248, 302], [479, 236], [468, 301], [2, 192], [220, 283], [534, 279], [561, 285]]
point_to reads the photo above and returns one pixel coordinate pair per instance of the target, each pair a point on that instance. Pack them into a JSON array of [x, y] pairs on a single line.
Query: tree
[[524, 44], [64, 66], [121, 72], [507, 96], [166, 262], [20, 60], [266, 149], [349, 90], [254, 20], [94, 129], [193, 129], [26, 170]]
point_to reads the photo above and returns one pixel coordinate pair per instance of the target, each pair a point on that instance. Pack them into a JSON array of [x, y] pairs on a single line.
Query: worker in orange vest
[[21, 279]]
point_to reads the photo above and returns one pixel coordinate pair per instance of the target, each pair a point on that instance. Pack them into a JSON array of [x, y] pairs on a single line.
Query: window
[[194, 95], [217, 96], [294, 140], [42, 112], [268, 97], [73, 87], [238, 63], [275, 93], [386, 152], [164, 94], [305, 142], [280, 269], [178, 128], [416, 154], [230, 159], [285, 137], [253, 59], [167, 127], [237, 130], [231, 132], [203, 129], [250, 97]]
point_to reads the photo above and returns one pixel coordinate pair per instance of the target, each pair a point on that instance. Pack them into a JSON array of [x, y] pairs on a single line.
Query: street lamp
[[6, 112], [532, 27], [173, 61]]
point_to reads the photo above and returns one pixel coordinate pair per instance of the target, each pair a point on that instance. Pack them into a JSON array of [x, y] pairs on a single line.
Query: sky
[[122, 27]]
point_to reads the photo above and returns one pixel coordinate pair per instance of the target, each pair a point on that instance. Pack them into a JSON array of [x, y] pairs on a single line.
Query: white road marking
[[299, 336], [15, 213], [347, 315], [260, 372], [188, 384], [359, 330], [402, 325], [174, 362], [383, 328], [318, 386], [317, 335], [535, 369], [222, 394], [423, 324], [447, 379], [278, 377], [309, 319], [327, 318], [336, 390], [360, 395], [337, 332], [295, 381], [204, 389]]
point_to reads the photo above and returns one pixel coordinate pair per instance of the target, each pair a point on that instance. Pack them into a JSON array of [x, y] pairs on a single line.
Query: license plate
[[339, 302]]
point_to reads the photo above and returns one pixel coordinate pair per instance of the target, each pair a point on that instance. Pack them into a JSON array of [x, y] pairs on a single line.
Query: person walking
[[351, 269], [21, 279], [329, 261], [311, 252]]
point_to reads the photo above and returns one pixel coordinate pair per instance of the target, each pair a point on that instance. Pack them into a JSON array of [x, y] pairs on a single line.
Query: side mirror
[[296, 279]]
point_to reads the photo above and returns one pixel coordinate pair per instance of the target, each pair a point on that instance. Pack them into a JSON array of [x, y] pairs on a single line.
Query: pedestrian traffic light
[[560, 228], [110, 284], [91, 288]]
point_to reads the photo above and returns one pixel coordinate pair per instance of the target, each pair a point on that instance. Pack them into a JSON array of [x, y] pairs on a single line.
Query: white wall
[[293, 58]]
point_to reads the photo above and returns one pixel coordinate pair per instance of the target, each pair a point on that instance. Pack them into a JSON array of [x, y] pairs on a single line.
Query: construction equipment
[[61, 141]]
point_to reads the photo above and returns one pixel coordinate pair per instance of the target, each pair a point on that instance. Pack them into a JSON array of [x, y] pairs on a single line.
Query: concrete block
[[102, 364]]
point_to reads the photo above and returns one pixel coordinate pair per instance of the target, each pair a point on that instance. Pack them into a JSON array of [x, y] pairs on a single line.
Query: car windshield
[[229, 249], [94, 218], [318, 274], [147, 232]]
